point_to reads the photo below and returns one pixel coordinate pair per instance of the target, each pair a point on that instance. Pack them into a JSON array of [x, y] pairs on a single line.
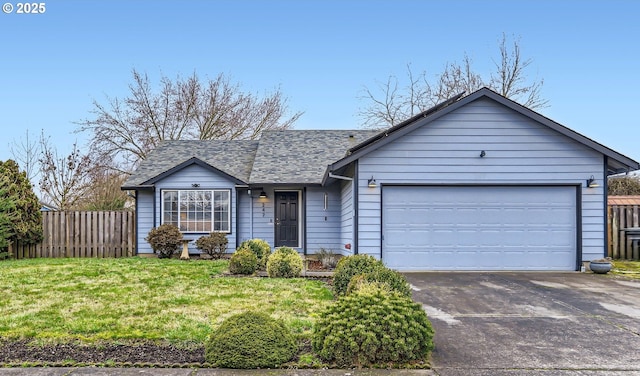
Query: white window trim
[[162, 192]]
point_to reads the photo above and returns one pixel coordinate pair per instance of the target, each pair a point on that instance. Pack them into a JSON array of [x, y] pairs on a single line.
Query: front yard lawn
[[129, 300]]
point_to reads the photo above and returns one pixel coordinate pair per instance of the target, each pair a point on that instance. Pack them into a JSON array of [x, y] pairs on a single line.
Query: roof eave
[[286, 184], [137, 187], [403, 124], [627, 162], [401, 129]]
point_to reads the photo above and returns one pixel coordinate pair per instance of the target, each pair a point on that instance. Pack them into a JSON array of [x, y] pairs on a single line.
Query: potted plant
[[600, 266]]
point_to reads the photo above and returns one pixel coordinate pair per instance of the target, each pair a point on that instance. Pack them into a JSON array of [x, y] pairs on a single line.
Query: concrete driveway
[[531, 323]]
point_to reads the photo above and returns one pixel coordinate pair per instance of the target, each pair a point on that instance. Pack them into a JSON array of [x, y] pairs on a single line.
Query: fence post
[[614, 226], [131, 234]]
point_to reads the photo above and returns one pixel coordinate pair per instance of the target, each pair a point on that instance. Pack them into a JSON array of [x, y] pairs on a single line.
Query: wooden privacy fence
[[623, 213], [83, 234]]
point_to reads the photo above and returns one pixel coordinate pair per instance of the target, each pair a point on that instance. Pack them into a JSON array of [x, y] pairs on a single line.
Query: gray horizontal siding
[[262, 216], [447, 151], [184, 179], [144, 218], [323, 225], [346, 217]]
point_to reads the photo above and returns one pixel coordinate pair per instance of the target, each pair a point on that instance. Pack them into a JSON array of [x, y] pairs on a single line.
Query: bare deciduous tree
[[103, 190], [63, 179], [624, 185], [126, 130], [510, 78], [389, 104], [26, 153]]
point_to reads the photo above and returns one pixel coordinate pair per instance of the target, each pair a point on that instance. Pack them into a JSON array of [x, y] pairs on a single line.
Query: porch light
[[372, 183], [591, 182], [263, 194]]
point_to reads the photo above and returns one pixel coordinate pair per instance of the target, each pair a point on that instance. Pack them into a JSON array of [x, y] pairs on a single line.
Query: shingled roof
[[279, 157], [301, 156], [231, 157]]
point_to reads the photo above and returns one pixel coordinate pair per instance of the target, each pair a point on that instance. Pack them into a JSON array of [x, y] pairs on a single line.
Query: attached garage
[[480, 227], [478, 182]]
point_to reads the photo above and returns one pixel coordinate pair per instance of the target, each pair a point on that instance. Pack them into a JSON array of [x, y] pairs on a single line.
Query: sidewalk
[[95, 371]]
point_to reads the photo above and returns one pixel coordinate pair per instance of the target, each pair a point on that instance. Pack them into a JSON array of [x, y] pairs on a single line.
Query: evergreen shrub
[[350, 266], [393, 279], [250, 340], [284, 262], [372, 326], [243, 261], [261, 248]]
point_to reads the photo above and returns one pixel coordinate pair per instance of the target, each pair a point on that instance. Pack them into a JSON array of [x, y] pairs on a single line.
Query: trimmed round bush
[[261, 248], [350, 266], [214, 244], [243, 261], [393, 279], [165, 240], [250, 340], [372, 326], [284, 262]]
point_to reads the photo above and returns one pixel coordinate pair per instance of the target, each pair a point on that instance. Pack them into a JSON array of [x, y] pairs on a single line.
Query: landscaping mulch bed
[[144, 354]]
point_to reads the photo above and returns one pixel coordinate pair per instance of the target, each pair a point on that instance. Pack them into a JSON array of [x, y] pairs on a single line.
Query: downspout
[[136, 224], [355, 208], [605, 195], [354, 197], [304, 218], [237, 218], [156, 199], [250, 214]]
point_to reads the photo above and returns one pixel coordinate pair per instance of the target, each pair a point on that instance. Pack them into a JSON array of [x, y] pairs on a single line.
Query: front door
[[286, 219]]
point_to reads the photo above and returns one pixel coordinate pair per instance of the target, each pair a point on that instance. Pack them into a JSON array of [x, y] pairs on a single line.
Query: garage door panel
[[479, 228]]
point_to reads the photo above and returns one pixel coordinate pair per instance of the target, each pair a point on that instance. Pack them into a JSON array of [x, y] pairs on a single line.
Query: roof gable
[[187, 163], [617, 162], [231, 158]]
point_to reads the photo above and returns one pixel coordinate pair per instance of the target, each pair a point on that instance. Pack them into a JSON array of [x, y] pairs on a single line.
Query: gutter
[[137, 188], [331, 175]]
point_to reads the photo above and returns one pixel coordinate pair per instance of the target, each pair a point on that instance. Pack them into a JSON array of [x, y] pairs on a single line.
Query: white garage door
[[479, 228]]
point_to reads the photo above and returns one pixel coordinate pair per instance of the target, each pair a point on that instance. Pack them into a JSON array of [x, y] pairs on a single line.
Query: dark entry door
[[286, 219]]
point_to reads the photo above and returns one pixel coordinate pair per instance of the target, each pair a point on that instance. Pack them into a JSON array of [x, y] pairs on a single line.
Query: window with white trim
[[197, 210]]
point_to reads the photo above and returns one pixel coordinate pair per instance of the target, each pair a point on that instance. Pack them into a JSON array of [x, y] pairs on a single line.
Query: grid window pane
[[170, 205], [200, 211]]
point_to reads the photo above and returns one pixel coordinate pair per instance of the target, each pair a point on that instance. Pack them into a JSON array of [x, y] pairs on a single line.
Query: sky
[[320, 54]]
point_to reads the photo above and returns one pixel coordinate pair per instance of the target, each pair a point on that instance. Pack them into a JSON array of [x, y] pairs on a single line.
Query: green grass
[[130, 299], [629, 269]]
